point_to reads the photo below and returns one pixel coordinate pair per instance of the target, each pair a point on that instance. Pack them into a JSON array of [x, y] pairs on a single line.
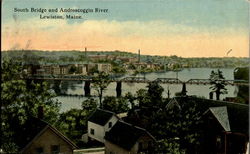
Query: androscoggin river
[[69, 102]]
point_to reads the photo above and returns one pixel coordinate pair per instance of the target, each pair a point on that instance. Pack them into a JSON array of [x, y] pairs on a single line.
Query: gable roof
[[238, 114], [221, 114], [125, 135], [33, 129], [101, 117]]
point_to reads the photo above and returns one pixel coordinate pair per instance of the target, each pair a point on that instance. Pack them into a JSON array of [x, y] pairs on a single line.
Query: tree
[[142, 97], [131, 99], [72, 69], [155, 91], [89, 105], [243, 90], [100, 83], [20, 101], [168, 146], [178, 127], [73, 123], [218, 83], [117, 105]]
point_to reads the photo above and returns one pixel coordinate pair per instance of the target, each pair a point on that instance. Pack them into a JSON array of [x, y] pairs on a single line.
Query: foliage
[[116, 105], [117, 67], [142, 97], [72, 69], [180, 122], [89, 105], [155, 91], [129, 96], [20, 101], [73, 123], [168, 146], [100, 84], [93, 70], [243, 90], [241, 73], [175, 127], [218, 83], [150, 97]]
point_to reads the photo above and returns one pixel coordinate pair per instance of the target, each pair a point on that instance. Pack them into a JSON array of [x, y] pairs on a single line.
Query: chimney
[[40, 113]]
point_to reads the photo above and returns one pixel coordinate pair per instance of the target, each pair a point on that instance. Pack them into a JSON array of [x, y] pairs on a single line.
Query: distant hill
[[82, 56]]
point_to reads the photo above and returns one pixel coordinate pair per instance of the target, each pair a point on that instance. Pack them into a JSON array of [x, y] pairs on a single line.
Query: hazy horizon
[[194, 28]]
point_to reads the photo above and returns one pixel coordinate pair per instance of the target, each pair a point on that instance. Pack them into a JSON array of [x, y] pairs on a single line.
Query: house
[[40, 137], [128, 139], [225, 127], [100, 122]]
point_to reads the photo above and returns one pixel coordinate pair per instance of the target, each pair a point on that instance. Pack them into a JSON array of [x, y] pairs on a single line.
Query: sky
[[186, 28]]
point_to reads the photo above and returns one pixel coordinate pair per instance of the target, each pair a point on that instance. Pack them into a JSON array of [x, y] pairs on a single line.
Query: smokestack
[[86, 55], [139, 56], [85, 52]]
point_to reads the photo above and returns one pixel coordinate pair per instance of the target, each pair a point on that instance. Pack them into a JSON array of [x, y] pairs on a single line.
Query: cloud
[[153, 37]]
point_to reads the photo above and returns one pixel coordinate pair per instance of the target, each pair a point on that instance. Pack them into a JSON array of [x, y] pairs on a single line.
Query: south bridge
[[132, 79]]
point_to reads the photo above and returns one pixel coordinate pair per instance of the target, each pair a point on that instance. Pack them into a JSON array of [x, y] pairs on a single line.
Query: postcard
[[125, 76]]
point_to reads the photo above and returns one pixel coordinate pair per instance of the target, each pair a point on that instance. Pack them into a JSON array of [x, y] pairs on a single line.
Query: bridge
[[134, 79]]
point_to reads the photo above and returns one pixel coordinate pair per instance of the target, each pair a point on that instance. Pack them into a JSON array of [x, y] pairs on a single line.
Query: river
[[69, 102]]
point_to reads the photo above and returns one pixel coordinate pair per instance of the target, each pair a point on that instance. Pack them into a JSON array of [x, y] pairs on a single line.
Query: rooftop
[[125, 135], [101, 117], [238, 114]]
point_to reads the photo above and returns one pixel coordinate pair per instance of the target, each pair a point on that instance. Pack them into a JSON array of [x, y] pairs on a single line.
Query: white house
[[100, 122]]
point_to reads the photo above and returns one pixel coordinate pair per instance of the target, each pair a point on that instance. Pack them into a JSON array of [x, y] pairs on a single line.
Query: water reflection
[[74, 88]]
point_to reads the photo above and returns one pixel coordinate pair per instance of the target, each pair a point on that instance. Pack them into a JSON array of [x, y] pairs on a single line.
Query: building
[[40, 137], [100, 122], [82, 69], [64, 69], [47, 69], [225, 127], [40, 71], [104, 68], [128, 139]]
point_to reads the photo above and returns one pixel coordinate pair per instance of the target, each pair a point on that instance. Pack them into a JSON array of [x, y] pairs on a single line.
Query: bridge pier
[[118, 89], [211, 95], [87, 88]]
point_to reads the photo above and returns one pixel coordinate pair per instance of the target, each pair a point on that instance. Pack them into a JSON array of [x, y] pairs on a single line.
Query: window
[[55, 149], [39, 150], [92, 131], [110, 124]]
